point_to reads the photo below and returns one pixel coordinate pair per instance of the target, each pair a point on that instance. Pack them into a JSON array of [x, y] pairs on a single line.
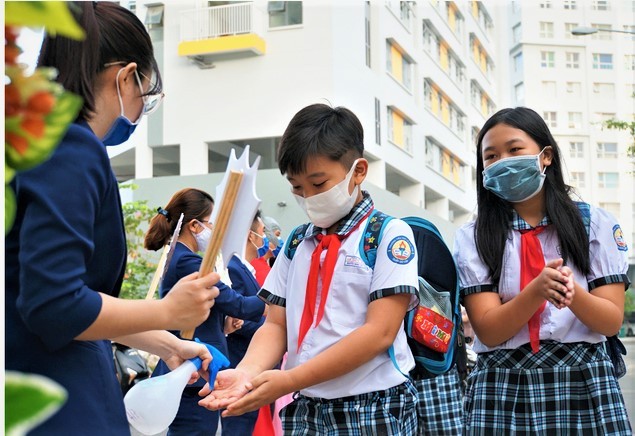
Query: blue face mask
[[261, 251], [278, 249], [122, 128], [515, 179]]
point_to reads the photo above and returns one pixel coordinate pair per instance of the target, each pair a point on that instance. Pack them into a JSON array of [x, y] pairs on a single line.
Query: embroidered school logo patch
[[353, 261], [618, 235], [400, 250]]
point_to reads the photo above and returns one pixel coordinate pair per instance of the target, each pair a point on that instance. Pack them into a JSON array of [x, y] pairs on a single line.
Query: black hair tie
[[164, 213]]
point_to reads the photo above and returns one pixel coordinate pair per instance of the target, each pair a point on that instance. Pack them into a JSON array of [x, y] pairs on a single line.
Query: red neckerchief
[[532, 262]]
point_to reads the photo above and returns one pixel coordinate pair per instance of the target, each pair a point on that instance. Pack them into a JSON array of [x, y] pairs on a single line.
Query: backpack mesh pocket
[[432, 322]]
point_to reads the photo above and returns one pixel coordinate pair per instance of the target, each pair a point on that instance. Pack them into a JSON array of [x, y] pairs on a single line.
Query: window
[[600, 5], [398, 65], [604, 31], [516, 33], [377, 122], [607, 150], [547, 59], [545, 4], [630, 29], [551, 118], [608, 180], [367, 32], [282, 14], [399, 130], [599, 118], [602, 61], [444, 162], [570, 4], [568, 27], [546, 29], [549, 89], [629, 62], [575, 120], [574, 88], [577, 180], [605, 90], [154, 16], [576, 149], [573, 60], [519, 92], [518, 62], [132, 5]]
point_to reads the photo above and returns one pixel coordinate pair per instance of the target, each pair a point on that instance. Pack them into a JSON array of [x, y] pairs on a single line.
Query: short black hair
[[320, 130]]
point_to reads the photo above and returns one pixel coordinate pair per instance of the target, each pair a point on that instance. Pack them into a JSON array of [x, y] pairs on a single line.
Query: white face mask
[[203, 238], [326, 208]]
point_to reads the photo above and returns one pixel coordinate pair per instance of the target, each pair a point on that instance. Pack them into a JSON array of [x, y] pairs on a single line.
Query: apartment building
[[420, 75], [576, 82]]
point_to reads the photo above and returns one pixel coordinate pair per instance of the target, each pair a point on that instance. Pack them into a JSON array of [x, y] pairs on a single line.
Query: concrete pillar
[[194, 158]]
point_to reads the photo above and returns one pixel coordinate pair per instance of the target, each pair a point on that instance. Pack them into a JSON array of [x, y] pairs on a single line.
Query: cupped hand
[[230, 386], [188, 303], [553, 285], [264, 389]]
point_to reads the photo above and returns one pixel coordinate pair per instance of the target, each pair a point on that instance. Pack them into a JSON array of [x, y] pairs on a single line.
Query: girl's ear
[[547, 156], [193, 225]]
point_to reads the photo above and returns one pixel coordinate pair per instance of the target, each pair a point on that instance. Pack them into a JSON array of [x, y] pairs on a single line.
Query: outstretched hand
[[230, 386]]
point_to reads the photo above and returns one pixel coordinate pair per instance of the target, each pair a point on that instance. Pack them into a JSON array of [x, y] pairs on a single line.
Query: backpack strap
[[585, 213], [295, 238], [372, 236]]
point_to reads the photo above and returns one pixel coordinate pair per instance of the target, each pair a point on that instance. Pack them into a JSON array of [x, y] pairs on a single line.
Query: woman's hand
[[184, 350], [188, 303], [232, 324]]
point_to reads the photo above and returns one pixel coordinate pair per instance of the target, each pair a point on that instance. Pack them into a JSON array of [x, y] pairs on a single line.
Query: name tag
[[353, 261]]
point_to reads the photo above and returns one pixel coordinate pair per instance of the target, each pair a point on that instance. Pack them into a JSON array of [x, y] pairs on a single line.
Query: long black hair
[[493, 222], [113, 34]]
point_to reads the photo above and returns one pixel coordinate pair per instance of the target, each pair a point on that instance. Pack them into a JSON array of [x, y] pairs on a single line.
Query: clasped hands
[[555, 284]]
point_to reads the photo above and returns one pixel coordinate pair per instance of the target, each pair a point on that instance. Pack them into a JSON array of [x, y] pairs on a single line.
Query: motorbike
[[131, 366]]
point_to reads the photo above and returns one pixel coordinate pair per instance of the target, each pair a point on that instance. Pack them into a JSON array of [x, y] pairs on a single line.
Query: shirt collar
[[346, 224], [520, 224]]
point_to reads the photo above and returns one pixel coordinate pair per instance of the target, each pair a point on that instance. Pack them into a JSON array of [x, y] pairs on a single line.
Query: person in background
[[543, 281], [196, 207], [347, 349], [274, 233], [258, 250], [243, 276], [66, 253]]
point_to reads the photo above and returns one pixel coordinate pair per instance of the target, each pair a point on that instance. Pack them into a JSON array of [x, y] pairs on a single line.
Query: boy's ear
[[361, 169]]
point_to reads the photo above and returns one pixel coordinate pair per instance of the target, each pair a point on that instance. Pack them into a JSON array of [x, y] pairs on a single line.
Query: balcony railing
[[217, 21]]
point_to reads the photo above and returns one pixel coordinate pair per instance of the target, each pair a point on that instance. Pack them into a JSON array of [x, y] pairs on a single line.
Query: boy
[[341, 321]]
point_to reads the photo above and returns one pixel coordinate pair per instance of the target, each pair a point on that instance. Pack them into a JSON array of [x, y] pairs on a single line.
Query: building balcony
[[221, 33]]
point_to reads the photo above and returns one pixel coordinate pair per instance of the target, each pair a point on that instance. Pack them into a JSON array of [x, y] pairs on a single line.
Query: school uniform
[[440, 403], [569, 384], [67, 245], [191, 418], [376, 396], [244, 282]]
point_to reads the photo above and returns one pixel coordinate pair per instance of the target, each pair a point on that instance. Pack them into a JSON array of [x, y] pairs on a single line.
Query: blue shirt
[[67, 244]]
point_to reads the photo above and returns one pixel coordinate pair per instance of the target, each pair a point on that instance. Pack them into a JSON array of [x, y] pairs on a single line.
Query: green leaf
[[54, 16], [57, 122], [29, 400], [9, 208]]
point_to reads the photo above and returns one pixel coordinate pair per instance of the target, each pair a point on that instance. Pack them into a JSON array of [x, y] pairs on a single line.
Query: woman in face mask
[[66, 253], [196, 231], [543, 281]]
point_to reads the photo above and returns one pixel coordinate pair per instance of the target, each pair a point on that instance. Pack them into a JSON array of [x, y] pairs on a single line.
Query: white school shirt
[[354, 285], [609, 263]]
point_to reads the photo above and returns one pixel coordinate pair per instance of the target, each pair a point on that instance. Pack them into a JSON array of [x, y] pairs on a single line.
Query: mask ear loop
[[544, 167]]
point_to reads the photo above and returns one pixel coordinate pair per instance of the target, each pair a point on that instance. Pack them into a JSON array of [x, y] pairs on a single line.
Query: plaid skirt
[[561, 390], [440, 408], [382, 413]]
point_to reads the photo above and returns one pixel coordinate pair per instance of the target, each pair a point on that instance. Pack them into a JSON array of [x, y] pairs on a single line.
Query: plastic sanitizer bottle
[[152, 404]]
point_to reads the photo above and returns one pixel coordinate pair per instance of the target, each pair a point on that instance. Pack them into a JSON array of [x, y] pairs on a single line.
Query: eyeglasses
[[151, 102]]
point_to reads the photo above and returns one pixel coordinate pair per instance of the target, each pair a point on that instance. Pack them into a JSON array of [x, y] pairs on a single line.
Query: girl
[[196, 207], [543, 281], [66, 254]]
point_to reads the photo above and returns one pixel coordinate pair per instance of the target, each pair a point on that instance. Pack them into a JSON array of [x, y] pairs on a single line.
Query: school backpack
[[438, 308]]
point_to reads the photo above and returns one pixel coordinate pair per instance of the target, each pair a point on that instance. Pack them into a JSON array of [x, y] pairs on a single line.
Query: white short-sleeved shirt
[[609, 263], [354, 285]]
